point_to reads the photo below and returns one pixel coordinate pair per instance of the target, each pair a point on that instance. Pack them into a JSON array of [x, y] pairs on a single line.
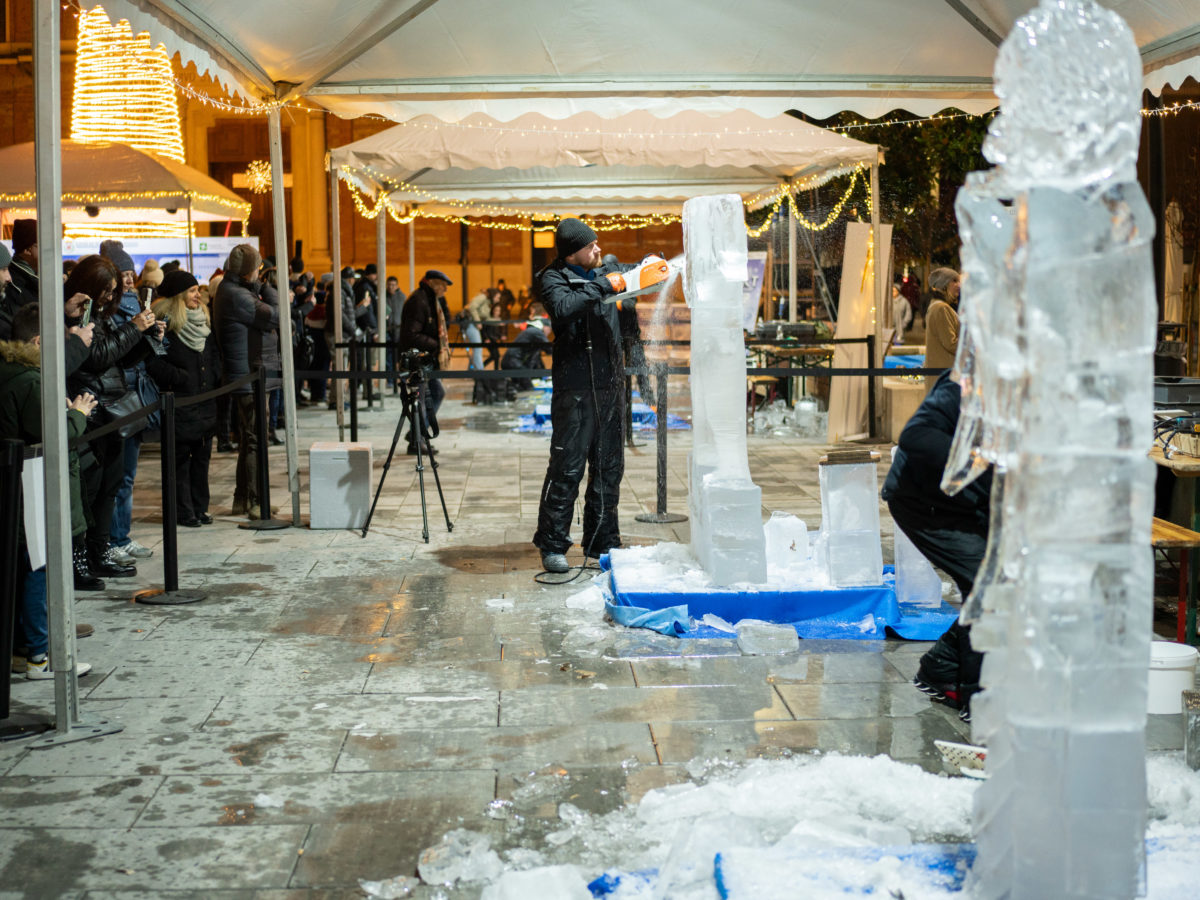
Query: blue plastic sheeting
[[672, 620], [858, 613], [644, 419], [904, 361], [738, 874]]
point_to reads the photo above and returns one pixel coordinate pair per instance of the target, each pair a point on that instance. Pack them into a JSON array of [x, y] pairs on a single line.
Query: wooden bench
[[1166, 535]]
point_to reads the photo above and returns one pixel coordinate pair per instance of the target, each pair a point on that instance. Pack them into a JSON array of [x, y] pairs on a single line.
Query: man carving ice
[[587, 410]]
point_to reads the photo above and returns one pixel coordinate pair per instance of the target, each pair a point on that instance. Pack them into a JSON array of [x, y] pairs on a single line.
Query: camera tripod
[[412, 397]]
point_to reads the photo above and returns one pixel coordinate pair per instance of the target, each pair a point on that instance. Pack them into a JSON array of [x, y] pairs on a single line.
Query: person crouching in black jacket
[[190, 366], [114, 348], [951, 532]]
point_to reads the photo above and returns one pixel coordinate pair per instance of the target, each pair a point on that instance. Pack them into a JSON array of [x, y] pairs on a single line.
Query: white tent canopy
[[632, 162], [125, 183], [453, 58]]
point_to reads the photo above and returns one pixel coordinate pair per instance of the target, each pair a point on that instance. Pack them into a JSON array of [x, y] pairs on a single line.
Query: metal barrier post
[[354, 393], [661, 516], [170, 595], [871, 386], [264, 522], [11, 461]]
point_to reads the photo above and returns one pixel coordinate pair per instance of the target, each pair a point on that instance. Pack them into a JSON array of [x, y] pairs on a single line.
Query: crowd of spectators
[[133, 333]]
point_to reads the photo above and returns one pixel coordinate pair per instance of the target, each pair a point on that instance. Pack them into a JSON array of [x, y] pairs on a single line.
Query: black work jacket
[[579, 317]]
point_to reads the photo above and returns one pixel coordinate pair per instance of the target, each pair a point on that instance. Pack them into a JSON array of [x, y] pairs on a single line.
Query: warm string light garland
[[123, 89], [74, 231]]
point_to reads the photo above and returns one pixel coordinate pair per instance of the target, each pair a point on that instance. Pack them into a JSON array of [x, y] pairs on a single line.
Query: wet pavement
[[337, 703]]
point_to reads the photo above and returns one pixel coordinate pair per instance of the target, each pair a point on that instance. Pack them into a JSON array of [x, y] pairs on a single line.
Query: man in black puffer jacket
[[245, 319], [422, 327], [950, 531], [587, 409]]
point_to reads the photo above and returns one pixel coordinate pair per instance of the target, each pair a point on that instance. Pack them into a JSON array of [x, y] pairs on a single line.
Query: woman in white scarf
[[190, 366]]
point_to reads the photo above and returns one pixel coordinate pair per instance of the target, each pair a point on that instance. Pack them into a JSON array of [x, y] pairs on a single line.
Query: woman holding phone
[[113, 348]]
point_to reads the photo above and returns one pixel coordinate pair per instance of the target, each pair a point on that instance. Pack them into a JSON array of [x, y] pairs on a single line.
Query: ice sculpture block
[[916, 581], [1058, 318], [725, 504], [850, 517]]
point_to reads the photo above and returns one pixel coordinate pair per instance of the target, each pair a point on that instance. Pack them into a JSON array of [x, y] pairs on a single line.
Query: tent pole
[[275, 134], [335, 308], [380, 289], [878, 308], [792, 311], [412, 254], [60, 586], [191, 265]]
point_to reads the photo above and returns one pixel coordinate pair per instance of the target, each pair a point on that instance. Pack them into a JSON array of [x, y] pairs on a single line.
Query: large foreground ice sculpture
[[725, 504], [1056, 369]]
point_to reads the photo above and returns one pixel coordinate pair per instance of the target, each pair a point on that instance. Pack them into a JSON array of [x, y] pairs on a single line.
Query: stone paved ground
[[338, 703]]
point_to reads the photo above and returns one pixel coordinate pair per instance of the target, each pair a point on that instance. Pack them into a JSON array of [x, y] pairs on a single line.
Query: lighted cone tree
[[124, 89]]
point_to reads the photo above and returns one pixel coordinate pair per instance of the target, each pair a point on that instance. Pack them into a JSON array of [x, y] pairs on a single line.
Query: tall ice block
[[850, 517], [725, 504]]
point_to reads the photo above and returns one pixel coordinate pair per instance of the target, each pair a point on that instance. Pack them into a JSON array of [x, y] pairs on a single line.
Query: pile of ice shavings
[[787, 827], [803, 421], [668, 568]]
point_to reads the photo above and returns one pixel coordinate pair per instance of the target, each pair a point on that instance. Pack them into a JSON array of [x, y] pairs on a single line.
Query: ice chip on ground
[[557, 882], [500, 809], [714, 621], [591, 599], [571, 814], [461, 855], [786, 540], [500, 603], [390, 888], [756, 638], [266, 801]]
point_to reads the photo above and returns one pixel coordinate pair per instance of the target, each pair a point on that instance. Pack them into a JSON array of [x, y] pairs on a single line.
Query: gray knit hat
[[244, 261], [572, 235], [5, 257], [114, 252]]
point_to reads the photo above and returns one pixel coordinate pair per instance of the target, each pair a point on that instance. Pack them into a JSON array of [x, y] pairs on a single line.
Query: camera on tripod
[[417, 365]]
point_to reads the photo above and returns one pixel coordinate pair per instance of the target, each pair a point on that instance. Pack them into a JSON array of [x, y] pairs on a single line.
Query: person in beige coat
[[941, 322]]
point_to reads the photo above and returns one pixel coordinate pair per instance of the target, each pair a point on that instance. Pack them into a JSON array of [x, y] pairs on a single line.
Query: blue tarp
[[904, 361], [859, 613], [644, 419]]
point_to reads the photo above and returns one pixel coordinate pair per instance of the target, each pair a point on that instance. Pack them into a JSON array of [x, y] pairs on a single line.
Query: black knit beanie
[[572, 235], [176, 282]]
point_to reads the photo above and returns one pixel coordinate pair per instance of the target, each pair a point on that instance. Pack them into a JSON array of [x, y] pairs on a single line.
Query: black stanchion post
[[661, 516], [871, 386], [354, 391], [12, 460], [170, 595], [264, 522]]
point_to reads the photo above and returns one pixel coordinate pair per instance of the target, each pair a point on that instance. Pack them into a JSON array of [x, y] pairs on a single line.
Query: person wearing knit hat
[[125, 550], [243, 262], [587, 408], [189, 367], [151, 276]]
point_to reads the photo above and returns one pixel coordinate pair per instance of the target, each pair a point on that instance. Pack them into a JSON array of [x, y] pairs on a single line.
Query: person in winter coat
[[941, 322], [245, 318], [190, 366], [21, 419], [951, 532], [126, 550], [423, 327], [587, 410], [116, 346]]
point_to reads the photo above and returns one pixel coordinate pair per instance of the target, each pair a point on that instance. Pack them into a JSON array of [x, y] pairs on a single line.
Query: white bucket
[[1172, 671]]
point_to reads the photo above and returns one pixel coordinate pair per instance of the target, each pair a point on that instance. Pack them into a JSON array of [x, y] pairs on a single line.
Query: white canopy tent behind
[[452, 58]]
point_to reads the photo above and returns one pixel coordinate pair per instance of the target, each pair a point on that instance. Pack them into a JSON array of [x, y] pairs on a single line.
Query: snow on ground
[[800, 826]]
